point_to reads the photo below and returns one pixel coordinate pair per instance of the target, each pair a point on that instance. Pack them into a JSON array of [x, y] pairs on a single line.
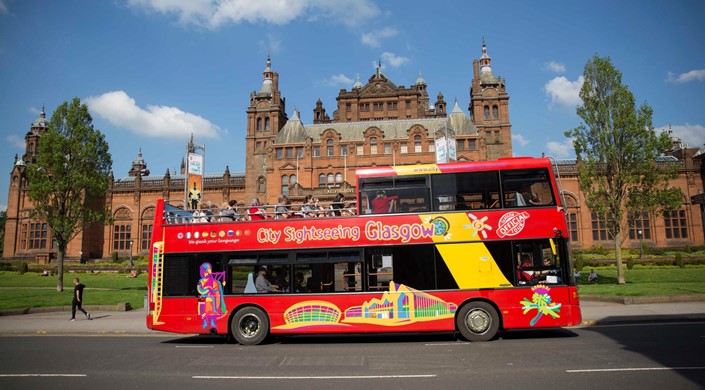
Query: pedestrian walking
[[78, 300]]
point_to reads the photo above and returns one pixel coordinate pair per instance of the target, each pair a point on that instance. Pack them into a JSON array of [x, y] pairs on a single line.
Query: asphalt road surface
[[654, 356]]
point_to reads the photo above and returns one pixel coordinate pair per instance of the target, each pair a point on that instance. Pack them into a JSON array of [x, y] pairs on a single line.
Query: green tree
[[617, 150], [68, 182], [3, 218]]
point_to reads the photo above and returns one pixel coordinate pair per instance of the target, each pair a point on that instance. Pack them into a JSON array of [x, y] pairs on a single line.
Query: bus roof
[[429, 169]]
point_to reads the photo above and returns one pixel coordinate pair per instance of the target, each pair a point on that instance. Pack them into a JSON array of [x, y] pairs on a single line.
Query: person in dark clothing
[[78, 300], [338, 204]]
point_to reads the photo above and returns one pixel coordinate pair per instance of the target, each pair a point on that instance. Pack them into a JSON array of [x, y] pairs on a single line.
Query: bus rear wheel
[[478, 321], [249, 326]]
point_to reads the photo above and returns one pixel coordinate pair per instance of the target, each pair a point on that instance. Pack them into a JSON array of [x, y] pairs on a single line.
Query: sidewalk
[[134, 323]]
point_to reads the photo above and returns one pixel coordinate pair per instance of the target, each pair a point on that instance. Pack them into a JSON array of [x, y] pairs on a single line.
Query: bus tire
[[249, 326], [478, 321]]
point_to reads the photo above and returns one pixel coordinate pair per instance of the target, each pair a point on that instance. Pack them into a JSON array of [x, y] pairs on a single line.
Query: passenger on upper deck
[[283, 209], [228, 211], [380, 204], [338, 203], [255, 212]]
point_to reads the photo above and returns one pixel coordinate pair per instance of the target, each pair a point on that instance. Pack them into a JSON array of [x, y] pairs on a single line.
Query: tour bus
[[468, 247]]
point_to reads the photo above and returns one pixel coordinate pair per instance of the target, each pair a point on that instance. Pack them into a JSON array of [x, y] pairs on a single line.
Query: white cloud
[[272, 45], [216, 13], [555, 67], [691, 135], [3, 10], [16, 141], [696, 74], [563, 91], [153, 121], [372, 39], [519, 139], [393, 60], [339, 80], [560, 150]]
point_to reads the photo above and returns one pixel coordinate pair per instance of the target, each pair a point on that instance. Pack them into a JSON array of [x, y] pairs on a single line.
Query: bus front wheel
[[249, 326], [478, 321]]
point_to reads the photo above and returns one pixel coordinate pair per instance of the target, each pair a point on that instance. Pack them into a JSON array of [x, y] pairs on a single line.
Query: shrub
[[630, 262], [22, 268], [679, 260], [115, 257], [579, 262]]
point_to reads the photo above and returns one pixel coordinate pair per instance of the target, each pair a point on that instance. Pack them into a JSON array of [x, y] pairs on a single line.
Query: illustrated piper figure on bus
[[211, 306], [194, 196]]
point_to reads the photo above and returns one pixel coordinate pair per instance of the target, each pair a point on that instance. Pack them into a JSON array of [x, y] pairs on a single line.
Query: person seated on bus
[[227, 213], [460, 203], [381, 204], [199, 216], [308, 210], [550, 274], [281, 277], [282, 209], [256, 213], [338, 204], [299, 283], [525, 276], [262, 283]]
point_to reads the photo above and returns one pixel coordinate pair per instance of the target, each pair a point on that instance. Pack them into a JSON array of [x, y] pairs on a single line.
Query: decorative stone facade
[[375, 124]]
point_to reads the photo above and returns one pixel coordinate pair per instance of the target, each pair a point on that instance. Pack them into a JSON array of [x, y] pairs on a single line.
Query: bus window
[[379, 271], [527, 188], [466, 190], [394, 195], [324, 272]]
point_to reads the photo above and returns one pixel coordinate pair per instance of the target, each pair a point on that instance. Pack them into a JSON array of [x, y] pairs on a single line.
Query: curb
[[636, 300], [122, 306]]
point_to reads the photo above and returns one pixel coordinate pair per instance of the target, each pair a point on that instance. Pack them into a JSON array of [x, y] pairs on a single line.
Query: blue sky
[[155, 71]]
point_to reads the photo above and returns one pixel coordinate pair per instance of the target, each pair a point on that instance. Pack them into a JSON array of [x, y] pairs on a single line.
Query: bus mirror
[[553, 246]]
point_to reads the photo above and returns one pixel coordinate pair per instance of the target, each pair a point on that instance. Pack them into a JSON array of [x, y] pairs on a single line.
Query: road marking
[[50, 375], [445, 344], [317, 377], [636, 369], [194, 346]]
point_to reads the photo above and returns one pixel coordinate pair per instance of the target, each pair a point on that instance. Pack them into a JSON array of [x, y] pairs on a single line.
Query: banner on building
[[194, 181]]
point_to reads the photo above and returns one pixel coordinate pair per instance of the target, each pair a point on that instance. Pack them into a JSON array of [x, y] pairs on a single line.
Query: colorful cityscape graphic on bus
[[542, 302], [400, 305]]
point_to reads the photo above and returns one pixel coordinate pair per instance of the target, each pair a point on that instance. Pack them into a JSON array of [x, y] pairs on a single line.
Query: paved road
[[648, 356]]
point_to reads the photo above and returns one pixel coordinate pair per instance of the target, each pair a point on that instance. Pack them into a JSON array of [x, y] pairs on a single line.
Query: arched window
[[338, 178], [373, 145], [260, 185], [266, 124], [292, 180], [495, 112], [259, 124], [329, 147], [417, 144], [330, 179], [322, 180], [487, 112], [285, 185]]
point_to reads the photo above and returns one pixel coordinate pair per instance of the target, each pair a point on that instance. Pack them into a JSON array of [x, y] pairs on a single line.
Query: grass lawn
[[645, 281], [32, 290]]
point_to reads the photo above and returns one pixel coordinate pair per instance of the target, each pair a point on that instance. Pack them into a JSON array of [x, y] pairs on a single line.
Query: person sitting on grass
[[592, 278]]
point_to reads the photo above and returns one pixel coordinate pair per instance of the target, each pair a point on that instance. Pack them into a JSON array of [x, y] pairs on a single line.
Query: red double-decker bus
[[472, 247]]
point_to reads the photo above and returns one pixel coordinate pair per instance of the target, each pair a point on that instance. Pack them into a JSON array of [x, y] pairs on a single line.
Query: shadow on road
[[445, 337]]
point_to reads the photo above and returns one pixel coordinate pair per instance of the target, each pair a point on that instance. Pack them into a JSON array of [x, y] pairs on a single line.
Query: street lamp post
[[131, 264], [641, 244]]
